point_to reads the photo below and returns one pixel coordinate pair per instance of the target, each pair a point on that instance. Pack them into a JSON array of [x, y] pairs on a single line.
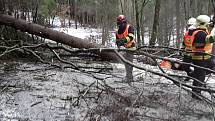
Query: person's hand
[[124, 40], [120, 43]]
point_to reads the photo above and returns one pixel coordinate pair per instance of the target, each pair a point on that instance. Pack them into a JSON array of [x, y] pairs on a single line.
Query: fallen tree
[[56, 36]]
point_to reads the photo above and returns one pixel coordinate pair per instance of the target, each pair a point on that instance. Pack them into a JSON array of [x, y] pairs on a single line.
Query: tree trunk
[[75, 14], [178, 14], [56, 36], [137, 23], [213, 5], [156, 22]]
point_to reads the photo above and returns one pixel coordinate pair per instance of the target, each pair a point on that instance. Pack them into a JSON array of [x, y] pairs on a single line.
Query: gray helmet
[[202, 20]]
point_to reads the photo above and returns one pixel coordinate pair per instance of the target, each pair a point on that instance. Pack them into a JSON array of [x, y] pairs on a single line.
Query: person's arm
[[130, 34], [119, 41], [200, 40], [183, 44], [116, 35], [211, 38], [129, 37]]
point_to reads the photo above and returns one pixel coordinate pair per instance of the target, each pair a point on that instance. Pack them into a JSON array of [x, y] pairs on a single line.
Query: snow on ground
[[93, 35], [80, 32], [52, 94]]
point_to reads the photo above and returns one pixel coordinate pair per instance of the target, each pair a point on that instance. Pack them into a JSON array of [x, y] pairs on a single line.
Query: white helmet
[[202, 20], [191, 21]]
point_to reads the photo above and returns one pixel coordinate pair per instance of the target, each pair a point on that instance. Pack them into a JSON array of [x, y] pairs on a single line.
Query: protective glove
[[124, 40], [120, 43]]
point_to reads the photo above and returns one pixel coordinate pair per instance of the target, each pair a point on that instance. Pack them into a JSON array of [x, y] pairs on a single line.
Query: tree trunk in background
[[137, 24], [156, 23], [200, 7], [213, 5], [166, 27], [1, 6], [56, 36], [105, 35], [178, 32], [186, 16], [143, 34], [193, 12], [126, 8], [161, 27], [121, 6], [210, 8], [142, 22], [162, 22], [75, 15]]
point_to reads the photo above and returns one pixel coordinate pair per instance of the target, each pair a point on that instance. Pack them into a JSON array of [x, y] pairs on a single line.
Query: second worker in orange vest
[[201, 46], [188, 47]]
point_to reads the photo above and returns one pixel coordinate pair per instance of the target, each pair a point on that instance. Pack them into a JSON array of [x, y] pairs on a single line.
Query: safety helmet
[[121, 19], [191, 21], [202, 20]]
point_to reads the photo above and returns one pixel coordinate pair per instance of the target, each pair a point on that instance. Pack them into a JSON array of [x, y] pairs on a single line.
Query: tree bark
[[137, 23], [178, 14], [56, 36], [156, 22]]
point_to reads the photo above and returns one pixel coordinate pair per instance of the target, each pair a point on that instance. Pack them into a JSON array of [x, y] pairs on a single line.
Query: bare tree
[[156, 22], [178, 18], [139, 17], [137, 23]]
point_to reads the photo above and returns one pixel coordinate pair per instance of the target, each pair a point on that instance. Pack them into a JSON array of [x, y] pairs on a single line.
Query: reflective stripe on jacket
[[125, 34]]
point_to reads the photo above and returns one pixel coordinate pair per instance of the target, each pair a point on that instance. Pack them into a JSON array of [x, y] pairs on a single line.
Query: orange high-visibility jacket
[[188, 41], [125, 34]]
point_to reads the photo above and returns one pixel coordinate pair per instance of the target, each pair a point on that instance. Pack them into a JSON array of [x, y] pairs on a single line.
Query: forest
[[59, 61]]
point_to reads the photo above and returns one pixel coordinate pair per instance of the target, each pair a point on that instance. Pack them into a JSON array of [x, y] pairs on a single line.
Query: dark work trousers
[[199, 74], [211, 64], [129, 69], [185, 67]]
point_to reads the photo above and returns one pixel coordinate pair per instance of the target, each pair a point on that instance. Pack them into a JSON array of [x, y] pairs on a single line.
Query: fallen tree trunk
[[56, 36]]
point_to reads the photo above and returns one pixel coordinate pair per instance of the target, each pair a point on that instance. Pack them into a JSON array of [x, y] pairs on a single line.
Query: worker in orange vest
[[125, 38], [201, 43], [187, 46]]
